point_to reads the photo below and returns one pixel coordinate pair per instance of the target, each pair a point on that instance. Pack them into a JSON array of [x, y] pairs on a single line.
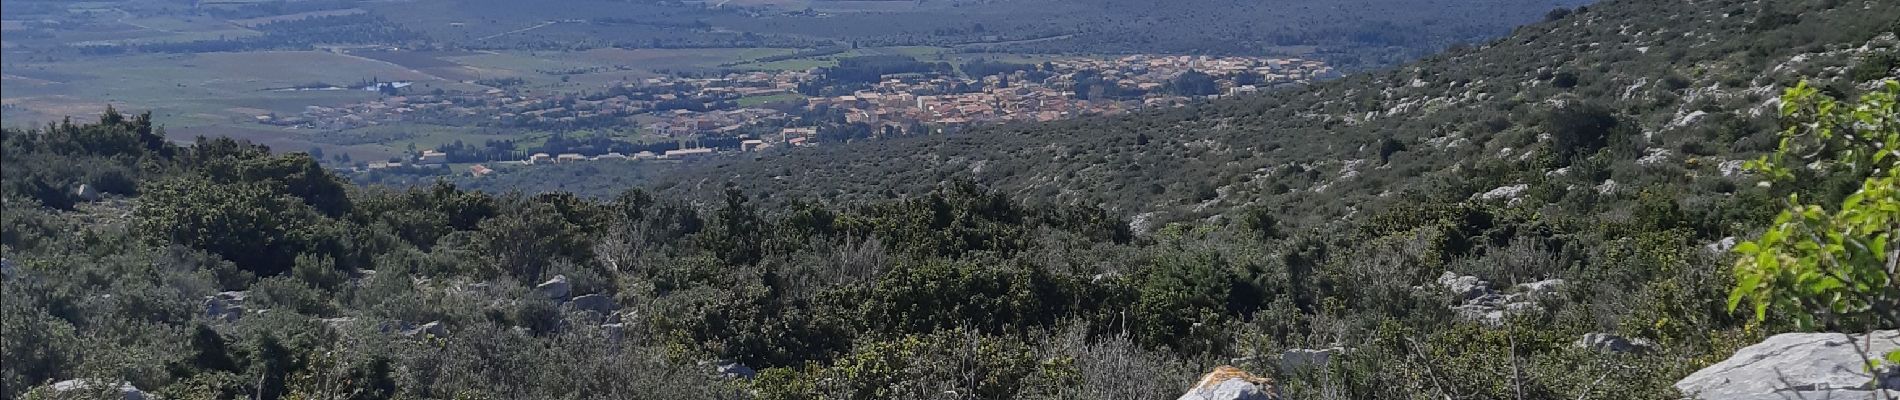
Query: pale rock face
[[555, 289], [1466, 287], [1721, 246], [126, 390], [226, 306], [1655, 156], [1608, 187], [1797, 366], [1484, 304], [87, 193], [436, 329], [594, 302], [1609, 343], [1300, 359], [1731, 168], [1229, 383], [1505, 192]]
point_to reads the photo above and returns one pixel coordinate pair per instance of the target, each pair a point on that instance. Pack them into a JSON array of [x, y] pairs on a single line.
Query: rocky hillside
[[1598, 104]]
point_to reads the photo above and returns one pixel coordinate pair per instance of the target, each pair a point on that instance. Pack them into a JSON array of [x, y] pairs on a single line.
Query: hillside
[[1549, 216], [1681, 87]]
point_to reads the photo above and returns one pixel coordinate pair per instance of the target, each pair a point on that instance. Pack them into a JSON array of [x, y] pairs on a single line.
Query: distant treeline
[[292, 34], [274, 8], [818, 52]]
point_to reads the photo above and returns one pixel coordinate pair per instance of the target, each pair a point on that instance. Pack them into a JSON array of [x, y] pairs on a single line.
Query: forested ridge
[[1452, 228]]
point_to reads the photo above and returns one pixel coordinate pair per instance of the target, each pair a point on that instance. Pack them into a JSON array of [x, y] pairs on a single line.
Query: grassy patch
[[777, 98]]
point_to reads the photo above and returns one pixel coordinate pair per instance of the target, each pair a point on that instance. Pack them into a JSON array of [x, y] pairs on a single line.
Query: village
[[680, 108]]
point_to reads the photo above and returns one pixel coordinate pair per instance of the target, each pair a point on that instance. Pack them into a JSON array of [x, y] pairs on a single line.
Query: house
[[479, 170], [431, 157], [688, 153], [611, 156], [540, 158], [569, 157], [752, 145]]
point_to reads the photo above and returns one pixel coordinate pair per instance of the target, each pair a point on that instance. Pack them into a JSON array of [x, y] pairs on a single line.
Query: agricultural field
[[200, 93], [224, 93]]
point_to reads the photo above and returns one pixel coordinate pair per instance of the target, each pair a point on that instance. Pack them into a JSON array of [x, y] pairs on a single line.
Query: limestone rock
[[598, 303], [226, 306], [1229, 383], [1465, 287], [436, 328], [1796, 366], [1510, 193], [1721, 247], [736, 370], [1301, 359], [1540, 288], [1605, 342], [1484, 304], [87, 193], [555, 289], [126, 390]]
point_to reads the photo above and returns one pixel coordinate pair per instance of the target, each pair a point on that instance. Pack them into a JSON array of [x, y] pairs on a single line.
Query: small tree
[[1831, 267]]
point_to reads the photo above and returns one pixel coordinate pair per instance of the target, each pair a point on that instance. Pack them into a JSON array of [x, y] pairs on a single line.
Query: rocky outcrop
[[1508, 193], [1799, 366], [87, 193], [432, 329], [1609, 343], [1490, 306], [554, 289], [729, 369], [226, 306], [126, 390], [598, 303], [1229, 383], [1305, 359]]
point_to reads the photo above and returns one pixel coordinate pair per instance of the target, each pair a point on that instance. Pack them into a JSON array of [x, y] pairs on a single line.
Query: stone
[[225, 306], [1540, 288], [1229, 383], [1483, 304], [1608, 187], [126, 390], [1655, 156], [598, 303], [87, 193], [614, 331], [1505, 192], [736, 370], [1731, 168], [338, 322], [1303, 359], [554, 289], [1466, 287], [436, 328], [1610, 343], [1721, 247], [1798, 365]]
